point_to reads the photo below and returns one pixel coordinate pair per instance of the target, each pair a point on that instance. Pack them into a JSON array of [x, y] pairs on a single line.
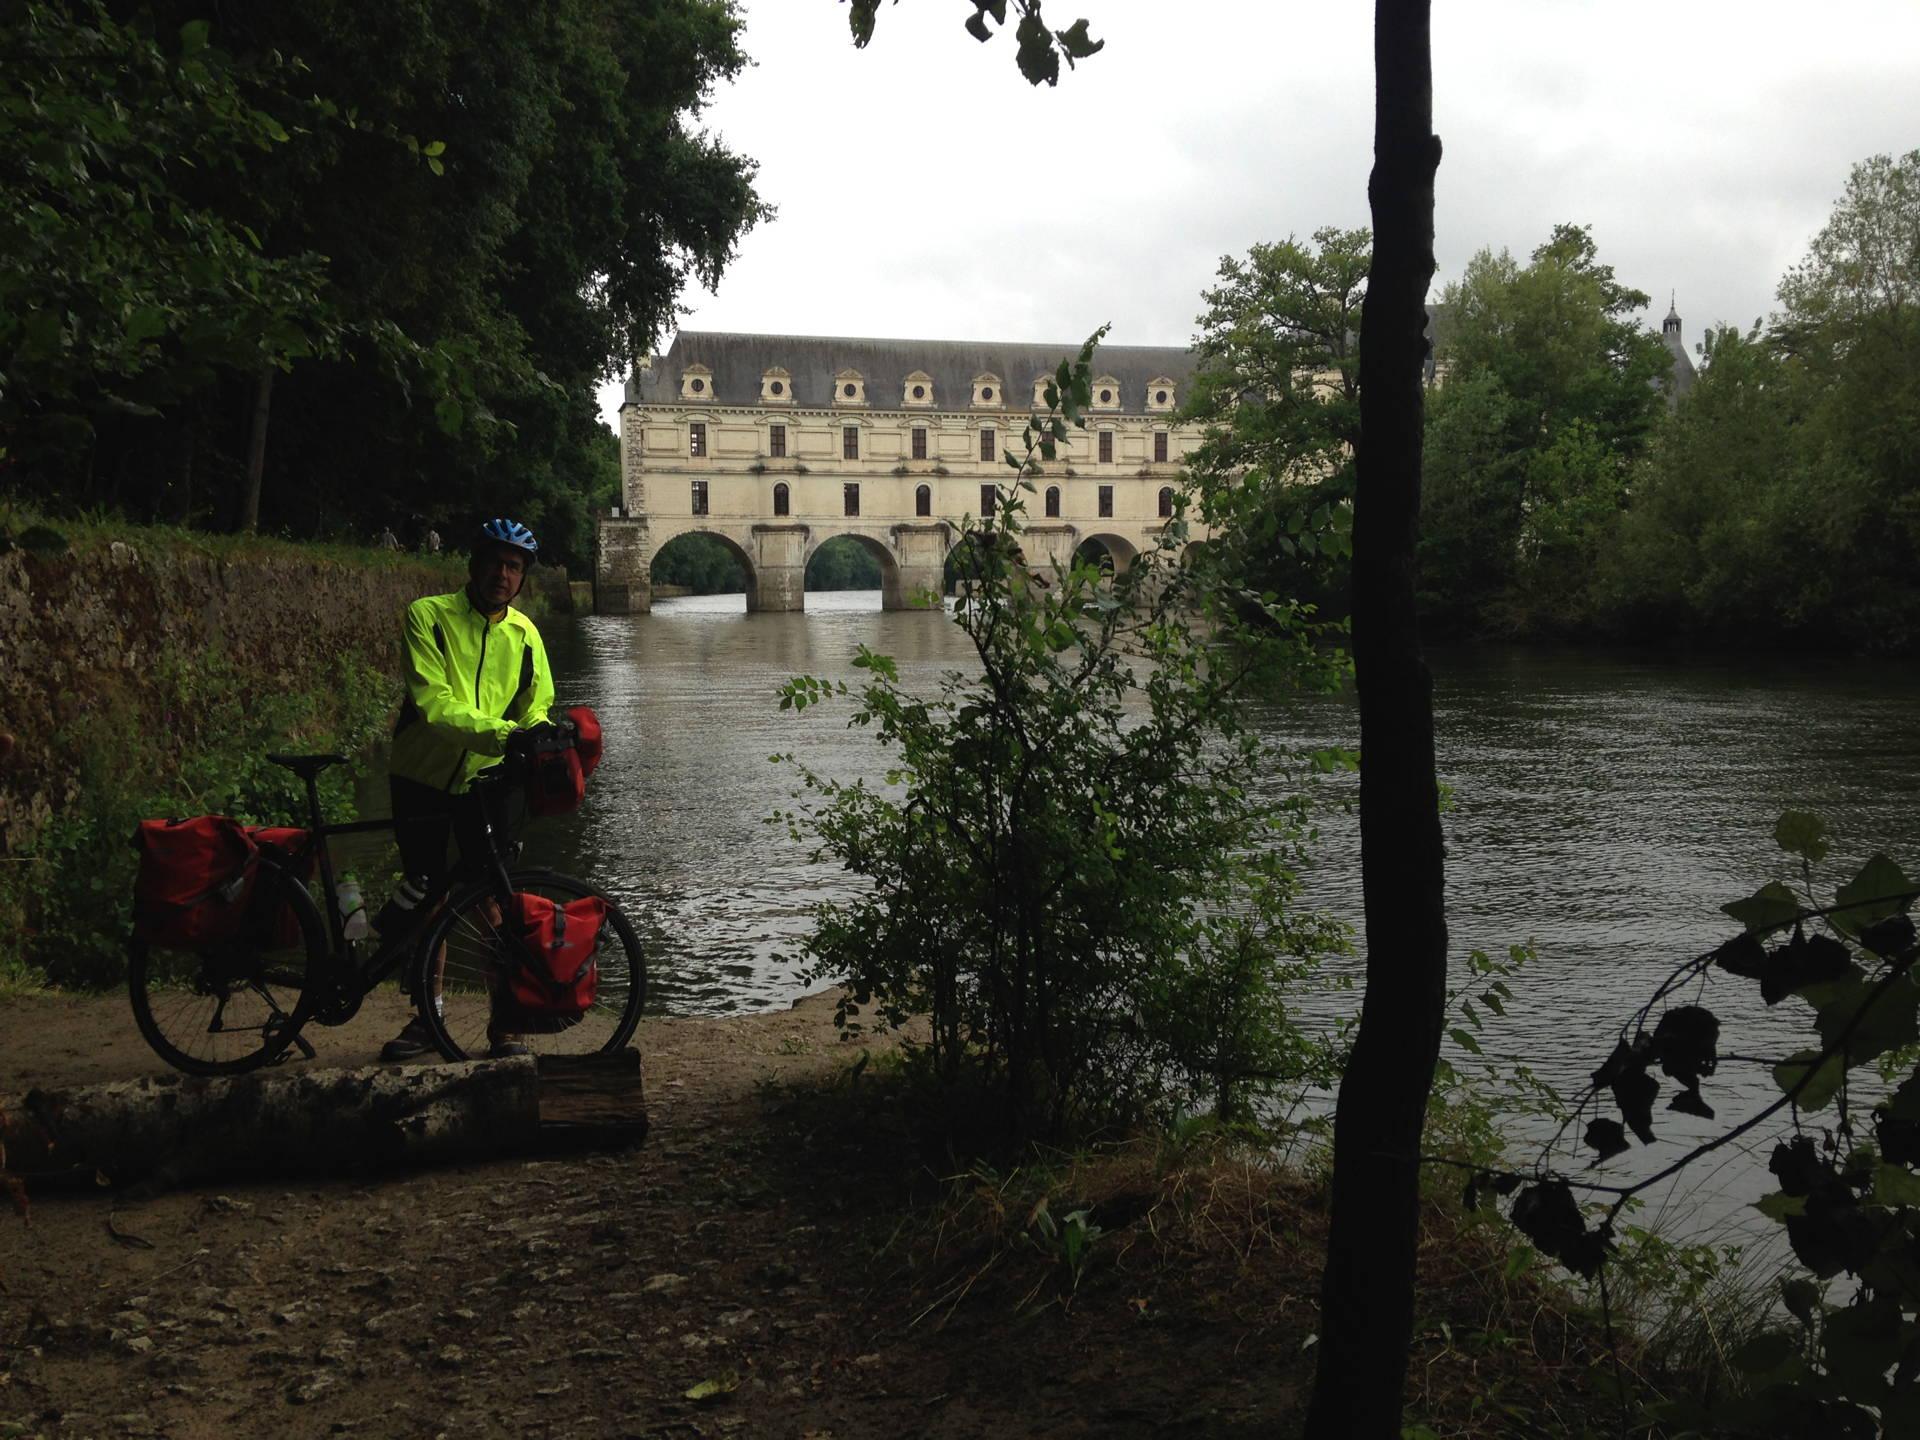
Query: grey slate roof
[[739, 360]]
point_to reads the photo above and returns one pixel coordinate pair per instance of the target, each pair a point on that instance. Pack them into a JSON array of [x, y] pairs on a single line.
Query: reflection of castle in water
[[776, 444]]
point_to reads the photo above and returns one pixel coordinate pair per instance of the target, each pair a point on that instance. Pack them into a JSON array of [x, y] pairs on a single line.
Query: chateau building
[[776, 444]]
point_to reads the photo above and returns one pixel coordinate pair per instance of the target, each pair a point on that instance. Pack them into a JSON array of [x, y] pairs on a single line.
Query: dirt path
[[777, 1249], [576, 1297]]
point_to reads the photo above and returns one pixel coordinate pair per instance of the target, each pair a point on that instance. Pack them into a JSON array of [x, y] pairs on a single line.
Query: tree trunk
[[257, 450], [1366, 1321], [172, 1129]]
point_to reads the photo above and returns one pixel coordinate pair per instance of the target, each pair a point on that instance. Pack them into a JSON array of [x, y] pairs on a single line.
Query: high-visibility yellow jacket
[[472, 680]]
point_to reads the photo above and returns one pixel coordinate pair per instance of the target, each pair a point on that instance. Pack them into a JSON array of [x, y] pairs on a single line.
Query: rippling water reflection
[[1603, 807]]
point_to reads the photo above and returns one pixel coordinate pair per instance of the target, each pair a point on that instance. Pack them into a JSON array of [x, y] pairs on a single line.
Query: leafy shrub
[[1071, 874]]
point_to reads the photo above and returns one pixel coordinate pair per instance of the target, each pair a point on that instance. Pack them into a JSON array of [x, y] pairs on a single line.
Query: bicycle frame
[[393, 951]]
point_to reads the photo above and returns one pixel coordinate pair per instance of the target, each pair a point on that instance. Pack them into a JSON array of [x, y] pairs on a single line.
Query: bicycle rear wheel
[[227, 1008], [465, 958]]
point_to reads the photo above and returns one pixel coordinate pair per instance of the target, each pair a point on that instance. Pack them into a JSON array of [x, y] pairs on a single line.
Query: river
[[1603, 808]]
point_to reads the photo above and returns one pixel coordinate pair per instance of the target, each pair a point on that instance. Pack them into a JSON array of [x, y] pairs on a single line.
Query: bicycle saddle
[[307, 766]]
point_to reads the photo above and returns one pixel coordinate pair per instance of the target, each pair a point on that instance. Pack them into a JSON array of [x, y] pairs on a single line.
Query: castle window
[[1159, 447], [986, 442], [850, 442], [850, 497], [696, 383], [697, 440], [777, 441], [986, 391], [1166, 502], [780, 502], [1053, 502], [1106, 447], [918, 389], [1160, 393], [989, 500], [699, 497], [919, 442], [776, 387], [849, 388], [923, 500], [1106, 393], [1106, 502]]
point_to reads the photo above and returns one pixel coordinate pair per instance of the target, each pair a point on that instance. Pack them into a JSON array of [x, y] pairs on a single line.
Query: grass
[[1184, 1266]]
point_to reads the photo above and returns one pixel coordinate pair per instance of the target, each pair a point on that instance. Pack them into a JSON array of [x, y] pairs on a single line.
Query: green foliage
[[1069, 874], [1278, 388], [1549, 395], [1782, 501], [1040, 50], [123, 289], [193, 743], [441, 308], [1849, 1192], [705, 564], [843, 563]]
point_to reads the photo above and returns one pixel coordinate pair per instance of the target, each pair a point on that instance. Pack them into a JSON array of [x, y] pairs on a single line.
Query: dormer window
[[696, 383], [987, 392], [849, 388], [776, 387], [1160, 393], [917, 390], [1040, 383], [1106, 393]]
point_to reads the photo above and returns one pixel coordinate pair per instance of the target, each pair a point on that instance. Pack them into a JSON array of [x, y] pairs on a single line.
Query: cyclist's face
[[496, 572]]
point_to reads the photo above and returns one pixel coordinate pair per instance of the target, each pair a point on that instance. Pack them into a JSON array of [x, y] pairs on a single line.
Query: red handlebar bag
[[192, 886], [272, 922], [556, 977]]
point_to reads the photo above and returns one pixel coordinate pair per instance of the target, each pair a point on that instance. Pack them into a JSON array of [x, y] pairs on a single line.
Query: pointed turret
[[1680, 377]]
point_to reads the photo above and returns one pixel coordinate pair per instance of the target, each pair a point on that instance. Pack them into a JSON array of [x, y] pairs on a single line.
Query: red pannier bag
[[272, 922], [586, 737], [556, 977], [194, 878], [557, 779]]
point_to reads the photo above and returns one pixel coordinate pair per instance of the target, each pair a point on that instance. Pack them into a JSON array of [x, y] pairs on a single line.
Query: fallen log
[[170, 1130]]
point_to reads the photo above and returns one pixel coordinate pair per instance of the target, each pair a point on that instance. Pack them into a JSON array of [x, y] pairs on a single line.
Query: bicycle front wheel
[[230, 1007], [465, 961]]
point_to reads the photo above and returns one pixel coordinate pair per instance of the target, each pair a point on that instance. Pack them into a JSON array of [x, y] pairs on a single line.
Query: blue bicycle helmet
[[510, 532]]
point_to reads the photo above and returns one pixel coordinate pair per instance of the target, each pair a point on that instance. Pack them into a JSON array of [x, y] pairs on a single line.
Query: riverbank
[[776, 1261]]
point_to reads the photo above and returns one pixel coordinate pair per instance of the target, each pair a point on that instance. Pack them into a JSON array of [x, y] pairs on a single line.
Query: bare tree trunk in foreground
[[1367, 1291]]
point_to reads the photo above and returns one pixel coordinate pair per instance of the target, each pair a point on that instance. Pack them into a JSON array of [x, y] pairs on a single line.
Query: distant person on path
[[431, 545], [476, 672], [386, 539]]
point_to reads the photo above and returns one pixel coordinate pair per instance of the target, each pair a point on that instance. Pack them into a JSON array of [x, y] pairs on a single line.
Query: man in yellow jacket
[[476, 671]]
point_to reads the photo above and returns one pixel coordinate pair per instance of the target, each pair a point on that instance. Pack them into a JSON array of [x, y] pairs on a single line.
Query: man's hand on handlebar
[[538, 739]]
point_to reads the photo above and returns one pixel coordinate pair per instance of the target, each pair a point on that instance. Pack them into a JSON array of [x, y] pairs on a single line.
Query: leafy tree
[[1550, 354], [843, 563], [122, 292], [483, 278], [1072, 878], [1780, 502], [702, 563], [1278, 388]]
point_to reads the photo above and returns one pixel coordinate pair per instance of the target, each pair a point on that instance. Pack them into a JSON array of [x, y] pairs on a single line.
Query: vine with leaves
[[1849, 1183]]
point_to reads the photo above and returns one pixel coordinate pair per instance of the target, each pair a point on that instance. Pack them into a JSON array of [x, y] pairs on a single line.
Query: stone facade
[[778, 443]]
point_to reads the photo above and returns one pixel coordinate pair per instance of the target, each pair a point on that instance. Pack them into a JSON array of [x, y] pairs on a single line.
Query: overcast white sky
[[1703, 140]]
